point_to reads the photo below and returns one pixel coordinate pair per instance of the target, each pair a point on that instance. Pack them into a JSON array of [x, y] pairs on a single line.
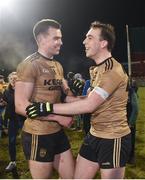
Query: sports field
[[136, 171]]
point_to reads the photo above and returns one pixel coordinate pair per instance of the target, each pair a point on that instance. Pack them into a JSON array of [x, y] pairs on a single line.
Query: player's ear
[[104, 43], [39, 38]]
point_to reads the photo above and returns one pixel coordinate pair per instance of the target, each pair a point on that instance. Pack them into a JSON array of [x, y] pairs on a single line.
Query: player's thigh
[[85, 169], [115, 173], [39, 147], [64, 164], [40, 170]]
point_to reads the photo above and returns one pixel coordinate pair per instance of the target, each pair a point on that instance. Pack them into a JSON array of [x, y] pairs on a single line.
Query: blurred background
[[17, 18]]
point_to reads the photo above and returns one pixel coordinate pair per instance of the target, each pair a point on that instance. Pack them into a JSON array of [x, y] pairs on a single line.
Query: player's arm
[[108, 84], [65, 121], [86, 105], [70, 99], [23, 93]]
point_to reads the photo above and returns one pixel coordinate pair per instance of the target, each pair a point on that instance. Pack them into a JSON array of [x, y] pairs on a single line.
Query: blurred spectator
[[86, 117], [132, 114], [2, 104], [15, 121]]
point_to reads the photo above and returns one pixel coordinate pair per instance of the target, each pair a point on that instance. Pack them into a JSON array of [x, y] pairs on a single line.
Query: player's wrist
[[49, 107], [39, 109]]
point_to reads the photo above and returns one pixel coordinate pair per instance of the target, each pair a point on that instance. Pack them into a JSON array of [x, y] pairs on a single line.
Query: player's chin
[[87, 55], [57, 52]]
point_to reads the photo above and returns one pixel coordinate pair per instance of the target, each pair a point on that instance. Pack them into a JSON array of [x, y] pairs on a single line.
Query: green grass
[[138, 171], [132, 172]]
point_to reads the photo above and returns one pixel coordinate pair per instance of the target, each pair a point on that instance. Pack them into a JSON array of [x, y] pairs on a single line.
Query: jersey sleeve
[[109, 81], [26, 72]]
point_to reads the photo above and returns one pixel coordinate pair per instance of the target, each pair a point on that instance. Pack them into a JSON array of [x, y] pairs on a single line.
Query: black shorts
[[43, 148], [109, 153]]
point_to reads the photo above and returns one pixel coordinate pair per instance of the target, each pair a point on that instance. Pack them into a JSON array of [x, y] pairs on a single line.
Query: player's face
[[93, 43], [52, 41]]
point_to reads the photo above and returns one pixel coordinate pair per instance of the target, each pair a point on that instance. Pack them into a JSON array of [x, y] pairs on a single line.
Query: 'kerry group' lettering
[[54, 82]]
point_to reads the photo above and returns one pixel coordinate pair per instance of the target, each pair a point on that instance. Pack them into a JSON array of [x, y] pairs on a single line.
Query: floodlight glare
[[5, 3]]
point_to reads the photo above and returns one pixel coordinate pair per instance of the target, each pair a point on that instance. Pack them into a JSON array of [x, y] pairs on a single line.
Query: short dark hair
[[43, 26], [107, 33]]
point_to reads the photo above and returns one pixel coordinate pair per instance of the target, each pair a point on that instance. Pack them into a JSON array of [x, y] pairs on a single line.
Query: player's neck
[[43, 53], [102, 56]]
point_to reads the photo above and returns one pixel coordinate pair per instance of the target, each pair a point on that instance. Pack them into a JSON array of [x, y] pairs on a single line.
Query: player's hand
[[78, 84], [77, 87], [39, 109]]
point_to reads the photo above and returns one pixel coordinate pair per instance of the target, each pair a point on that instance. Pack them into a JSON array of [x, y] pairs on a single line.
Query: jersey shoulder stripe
[[32, 57], [108, 64]]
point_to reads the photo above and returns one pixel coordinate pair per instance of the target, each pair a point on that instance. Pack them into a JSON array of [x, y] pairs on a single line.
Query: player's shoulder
[[110, 65], [29, 61], [32, 57]]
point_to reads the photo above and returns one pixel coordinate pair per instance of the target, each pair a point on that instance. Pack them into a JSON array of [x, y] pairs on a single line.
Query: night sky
[[17, 21]]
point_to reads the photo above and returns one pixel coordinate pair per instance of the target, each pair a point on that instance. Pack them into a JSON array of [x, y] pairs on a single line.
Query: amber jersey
[[109, 120], [47, 76]]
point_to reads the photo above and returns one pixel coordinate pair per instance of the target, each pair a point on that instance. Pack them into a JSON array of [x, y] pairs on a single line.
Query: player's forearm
[[86, 105], [20, 107], [51, 117], [73, 99], [65, 121], [77, 107]]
